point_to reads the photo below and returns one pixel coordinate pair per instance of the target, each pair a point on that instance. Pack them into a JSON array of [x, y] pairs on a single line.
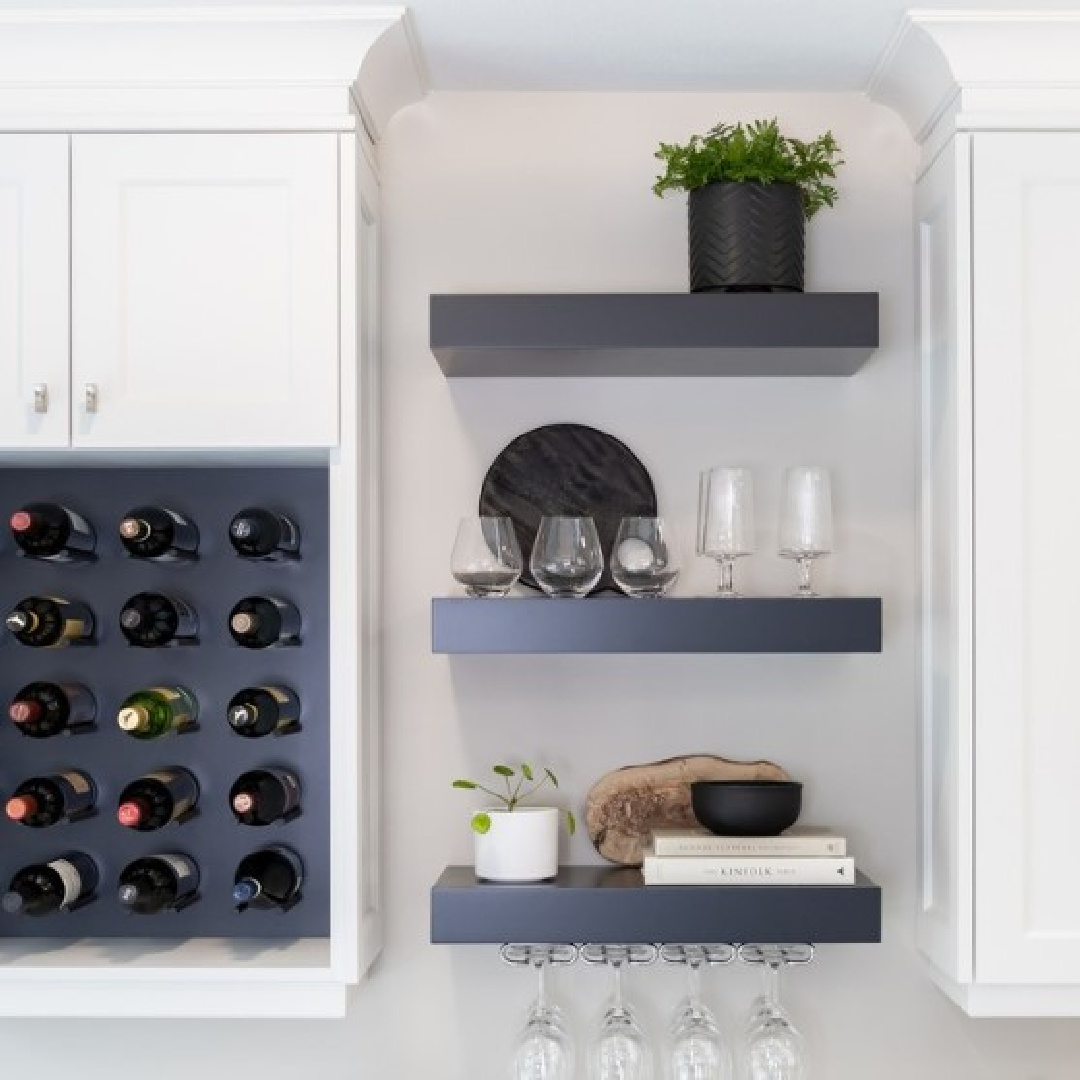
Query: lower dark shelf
[[618, 624], [606, 905]]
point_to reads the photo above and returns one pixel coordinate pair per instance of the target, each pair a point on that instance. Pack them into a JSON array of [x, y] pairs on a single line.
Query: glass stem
[[616, 966], [804, 587], [693, 987], [727, 575], [772, 982], [541, 985]]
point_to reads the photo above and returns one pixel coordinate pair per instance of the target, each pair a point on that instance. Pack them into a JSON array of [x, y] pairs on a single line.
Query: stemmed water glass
[[544, 1049], [726, 520], [805, 520], [620, 1049], [697, 1047], [773, 1045]]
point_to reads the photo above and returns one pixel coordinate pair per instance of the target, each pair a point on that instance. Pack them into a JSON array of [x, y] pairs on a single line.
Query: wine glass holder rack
[[710, 954], [214, 669]]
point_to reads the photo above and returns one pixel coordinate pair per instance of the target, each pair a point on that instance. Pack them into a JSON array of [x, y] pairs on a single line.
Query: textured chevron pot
[[746, 238]]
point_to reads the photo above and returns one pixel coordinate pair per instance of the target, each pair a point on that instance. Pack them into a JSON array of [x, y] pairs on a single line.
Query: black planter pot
[[746, 238]]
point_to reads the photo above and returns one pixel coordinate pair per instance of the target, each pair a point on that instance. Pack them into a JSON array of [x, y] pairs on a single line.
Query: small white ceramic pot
[[521, 845]]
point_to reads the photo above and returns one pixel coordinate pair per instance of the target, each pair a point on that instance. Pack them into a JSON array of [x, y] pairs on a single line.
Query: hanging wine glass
[[773, 1045], [697, 1049], [620, 1050], [544, 1049]]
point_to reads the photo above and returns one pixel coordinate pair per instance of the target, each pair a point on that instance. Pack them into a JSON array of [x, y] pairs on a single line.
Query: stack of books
[[800, 856]]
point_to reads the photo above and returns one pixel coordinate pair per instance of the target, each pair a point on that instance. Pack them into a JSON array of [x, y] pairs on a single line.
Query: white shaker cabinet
[[999, 231], [34, 291], [205, 290]]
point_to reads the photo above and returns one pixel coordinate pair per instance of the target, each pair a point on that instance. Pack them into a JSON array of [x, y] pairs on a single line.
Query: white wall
[[510, 192]]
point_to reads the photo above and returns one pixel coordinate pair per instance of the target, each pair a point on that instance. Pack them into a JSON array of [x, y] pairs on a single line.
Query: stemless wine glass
[[486, 559], [805, 520], [726, 520], [544, 1050], [642, 562], [697, 1047], [620, 1049], [567, 559], [773, 1045]]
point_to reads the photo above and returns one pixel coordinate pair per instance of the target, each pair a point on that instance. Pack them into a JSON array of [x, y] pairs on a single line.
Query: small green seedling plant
[[521, 784], [755, 153]]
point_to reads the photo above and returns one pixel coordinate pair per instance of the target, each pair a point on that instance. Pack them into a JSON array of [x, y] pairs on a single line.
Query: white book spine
[[744, 847], [668, 870]]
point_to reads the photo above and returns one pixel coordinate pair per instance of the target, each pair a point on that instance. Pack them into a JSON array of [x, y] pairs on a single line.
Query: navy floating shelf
[[606, 905], [653, 334], [617, 624]]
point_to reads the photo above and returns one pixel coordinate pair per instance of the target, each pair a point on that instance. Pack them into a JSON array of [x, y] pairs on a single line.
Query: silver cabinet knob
[[41, 397], [90, 397]]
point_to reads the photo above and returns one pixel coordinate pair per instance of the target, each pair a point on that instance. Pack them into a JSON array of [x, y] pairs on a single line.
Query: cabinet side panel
[[944, 872], [1027, 385]]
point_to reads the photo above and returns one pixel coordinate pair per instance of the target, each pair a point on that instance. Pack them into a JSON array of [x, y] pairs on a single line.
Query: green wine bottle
[[158, 710]]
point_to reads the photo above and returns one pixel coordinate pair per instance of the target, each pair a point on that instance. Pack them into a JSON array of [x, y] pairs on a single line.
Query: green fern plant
[[755, 153], [517, 792]]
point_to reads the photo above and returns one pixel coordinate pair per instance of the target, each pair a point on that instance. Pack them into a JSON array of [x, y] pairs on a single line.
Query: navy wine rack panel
[[214, 670]]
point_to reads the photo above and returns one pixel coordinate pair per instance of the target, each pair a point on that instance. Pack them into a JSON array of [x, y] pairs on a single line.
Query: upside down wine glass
[[545, 1048], [698, 1050], [774, 1048], [620, 1049]]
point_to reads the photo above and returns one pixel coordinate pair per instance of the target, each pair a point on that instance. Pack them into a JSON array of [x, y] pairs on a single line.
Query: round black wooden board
[[572, 470]]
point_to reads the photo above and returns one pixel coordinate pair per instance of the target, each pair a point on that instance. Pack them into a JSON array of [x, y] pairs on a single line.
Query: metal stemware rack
[[522, 954]]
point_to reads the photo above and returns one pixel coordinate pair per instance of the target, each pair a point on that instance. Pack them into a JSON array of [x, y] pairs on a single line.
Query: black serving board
[[214, 669], [572, 470]]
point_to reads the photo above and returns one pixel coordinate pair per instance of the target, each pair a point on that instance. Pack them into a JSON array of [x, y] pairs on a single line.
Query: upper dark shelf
[[653, 334], [617, 624], [609, 905]]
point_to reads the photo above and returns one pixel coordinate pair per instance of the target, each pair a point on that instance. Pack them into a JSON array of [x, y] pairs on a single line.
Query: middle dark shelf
[[617, 624]]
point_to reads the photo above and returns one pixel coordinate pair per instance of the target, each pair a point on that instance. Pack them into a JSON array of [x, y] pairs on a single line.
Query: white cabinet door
[[1026, 240], [205, 290], [34, 294]]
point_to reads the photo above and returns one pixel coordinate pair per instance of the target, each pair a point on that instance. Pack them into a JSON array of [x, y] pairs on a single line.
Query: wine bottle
[[263, 534], [41, 710], [42, 801], [52, 532], [258, 622], [159, 883], [65, 883], [263, 796], [152, 620], [256, 711], [269, 878], [158, 710], [155, 532], [158, 799], [49, 622]]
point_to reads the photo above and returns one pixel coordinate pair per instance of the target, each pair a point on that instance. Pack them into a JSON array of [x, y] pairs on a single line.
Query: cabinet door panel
[[34, 323], [205, 290], [1027, 527]]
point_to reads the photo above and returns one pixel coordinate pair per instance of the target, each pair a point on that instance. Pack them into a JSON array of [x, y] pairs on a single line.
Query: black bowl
[[746, 808]]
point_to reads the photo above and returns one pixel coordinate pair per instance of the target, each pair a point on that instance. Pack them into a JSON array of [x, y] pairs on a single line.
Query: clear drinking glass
[[620, 1049], [726, 520], [567, 559], [697, 1047], [773, 1046], [805, 520], [545, 1048], [486, 558], [642, 562]]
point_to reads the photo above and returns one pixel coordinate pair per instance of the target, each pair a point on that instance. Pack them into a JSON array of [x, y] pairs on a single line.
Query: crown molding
[[260, 62], [981, 69]]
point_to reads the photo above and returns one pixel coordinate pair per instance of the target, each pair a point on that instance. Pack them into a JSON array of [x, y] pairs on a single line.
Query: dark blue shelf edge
[[616, 624], [610, 905]]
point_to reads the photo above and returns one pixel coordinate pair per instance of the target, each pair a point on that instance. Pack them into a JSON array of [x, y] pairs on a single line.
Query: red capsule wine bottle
[[66, 882], [153, 620], [256, 711], [42, 801], [41, 710], [158, 799], [158, 883], [256, 533], [53, 532], [50, 622], [271, 877], [260, 622], [263, 796], [155, 532]]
